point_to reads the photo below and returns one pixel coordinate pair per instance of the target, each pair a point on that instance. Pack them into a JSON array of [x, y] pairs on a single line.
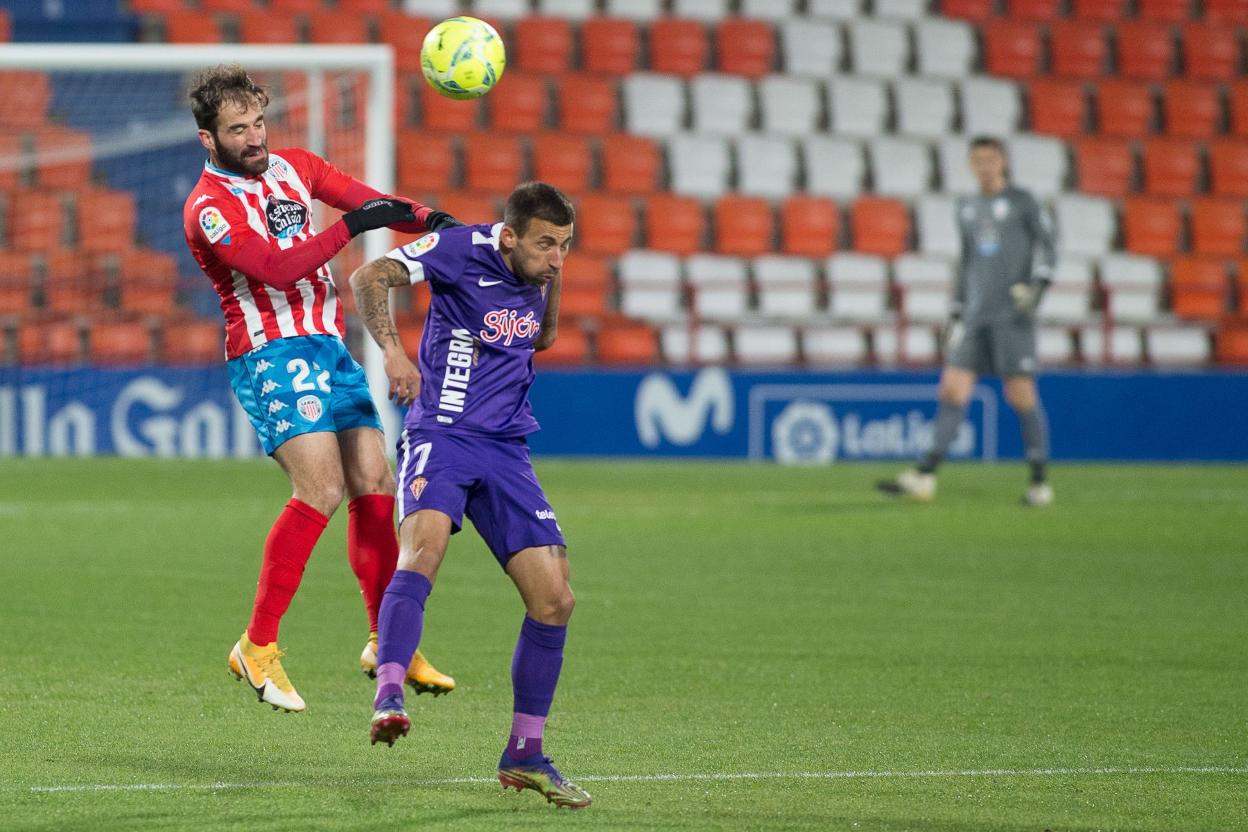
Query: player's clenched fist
[[378, 213], [404, 377]]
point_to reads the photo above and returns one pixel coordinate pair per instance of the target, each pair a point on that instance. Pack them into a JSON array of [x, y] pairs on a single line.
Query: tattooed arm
[[371, 285]]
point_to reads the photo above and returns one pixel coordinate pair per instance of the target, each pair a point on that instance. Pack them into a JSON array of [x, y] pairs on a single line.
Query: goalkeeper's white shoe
[[422, 676], [1039, 495], [911, 483]]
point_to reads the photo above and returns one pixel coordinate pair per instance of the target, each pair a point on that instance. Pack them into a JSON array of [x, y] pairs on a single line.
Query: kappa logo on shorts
[[276, 406], [263, 366], [418, 486], [268, 387], [310, 408], [282, 426]]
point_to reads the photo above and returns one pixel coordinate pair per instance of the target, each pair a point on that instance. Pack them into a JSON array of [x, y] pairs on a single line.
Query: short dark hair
[[537, 201], [988, 141], [224, 84]]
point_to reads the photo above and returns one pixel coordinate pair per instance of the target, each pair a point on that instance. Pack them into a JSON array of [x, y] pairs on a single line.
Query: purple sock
[[534, 675], [399, 624]]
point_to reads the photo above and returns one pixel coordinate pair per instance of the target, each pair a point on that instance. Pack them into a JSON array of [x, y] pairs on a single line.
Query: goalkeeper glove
[[439, 220], [378, 213], [1026, 297]]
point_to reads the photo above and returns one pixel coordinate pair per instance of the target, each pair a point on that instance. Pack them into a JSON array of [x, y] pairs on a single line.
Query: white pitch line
[[659, 778]]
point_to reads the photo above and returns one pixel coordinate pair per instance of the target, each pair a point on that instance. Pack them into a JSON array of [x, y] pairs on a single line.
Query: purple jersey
[[476, 355]]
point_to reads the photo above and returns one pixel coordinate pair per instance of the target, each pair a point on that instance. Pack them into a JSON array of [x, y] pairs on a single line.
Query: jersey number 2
[[300, 383]]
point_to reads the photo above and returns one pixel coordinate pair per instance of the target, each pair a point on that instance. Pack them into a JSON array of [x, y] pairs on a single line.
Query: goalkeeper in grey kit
[[1007, 262]]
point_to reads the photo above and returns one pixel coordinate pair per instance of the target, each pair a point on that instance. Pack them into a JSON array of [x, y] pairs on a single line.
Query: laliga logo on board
[[506, 324], [805, 433]]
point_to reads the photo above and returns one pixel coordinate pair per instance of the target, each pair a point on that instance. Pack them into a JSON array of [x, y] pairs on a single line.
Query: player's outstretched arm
[[550, 320], [371, 285]]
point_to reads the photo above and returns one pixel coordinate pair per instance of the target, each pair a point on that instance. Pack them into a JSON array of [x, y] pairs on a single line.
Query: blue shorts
[[306, 384], [490, 480]]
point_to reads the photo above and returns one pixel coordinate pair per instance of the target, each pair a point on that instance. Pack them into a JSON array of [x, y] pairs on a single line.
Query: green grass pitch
[[753, 648]]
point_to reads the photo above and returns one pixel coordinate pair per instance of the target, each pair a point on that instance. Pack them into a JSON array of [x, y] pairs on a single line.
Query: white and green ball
[[463, 57]]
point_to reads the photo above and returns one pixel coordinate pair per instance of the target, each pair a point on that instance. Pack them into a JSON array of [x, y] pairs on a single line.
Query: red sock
[[372, 548], [286, 553]]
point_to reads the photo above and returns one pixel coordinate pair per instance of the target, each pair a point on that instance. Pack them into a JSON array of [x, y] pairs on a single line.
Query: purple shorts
[[490, 480]]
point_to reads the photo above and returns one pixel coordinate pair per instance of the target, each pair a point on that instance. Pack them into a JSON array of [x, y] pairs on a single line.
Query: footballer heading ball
[[463, 57]]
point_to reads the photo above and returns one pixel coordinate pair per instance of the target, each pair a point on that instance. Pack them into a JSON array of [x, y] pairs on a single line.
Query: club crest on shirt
[[424, 245], [309, 408], [213, 224], [1000, 209], [418, 487], [286, 217]]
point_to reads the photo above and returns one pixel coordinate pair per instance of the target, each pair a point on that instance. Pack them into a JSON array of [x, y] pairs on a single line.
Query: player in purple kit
[[495, 302]]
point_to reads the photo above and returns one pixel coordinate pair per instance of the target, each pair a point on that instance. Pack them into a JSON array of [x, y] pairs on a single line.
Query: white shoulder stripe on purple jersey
[[415, 269]]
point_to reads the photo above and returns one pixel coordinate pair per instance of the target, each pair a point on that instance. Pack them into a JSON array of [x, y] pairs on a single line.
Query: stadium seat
[[188, 26], [1228, 167], [105, 220], [1038, 163], [1101, 11], [1133, 287], [405, 32], [936, 226], [62, 158], [675, 224], [52, 342], [586, 104], [857, 106], [721, 104], [1078, 49], [1105, 166], [898, 9], [880, 226], [1237, 100], [627, 343], [1164, 11], [440, 113], [899, 167], [774, 10], [858, 286], [630, 164], [979, 10], [700, 344], [427, 162], [914, 344], [789, 106], [639, 10], [1232, 344], [707, 10], [1226, 11], [699, 165], [1058, 108], [766, 165], [1086, 225], [24, 99], [313, 6], [1191, 109], [543, 44], [924, 107], [1218, 226], [570, 9], [809, 226], [834, 167], [1241, 290], [944, 48], [155, 6], [745, 47], [609, 45], [578, 301], [1054, 345], [36, 220], [787, 286], [1069, 297], [605, 224], [258, 25], [523, 108], [15, 166], [809, 47], [952, 154], [718, 286], [833, 346], [1198, 287], [470, 208], [487, 8], [654, 105], [678, 47], [1118, 345], [69, 283], [16, 283], [924, 285], [650, 285], [1125, 109], [744, 226], [336, 27], [1012, 48], [146, 282], [1145, 50], [1171, 167], [1151, 226], [990, 106], [1041, 11], [571, 347], [119, 342], [762, 344], [565, 161], [878, 48], [1210, 51], [493, 163], [1177, 346]]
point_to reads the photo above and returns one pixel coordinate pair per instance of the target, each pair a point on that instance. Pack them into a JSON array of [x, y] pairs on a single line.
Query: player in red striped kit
[[248, 223]]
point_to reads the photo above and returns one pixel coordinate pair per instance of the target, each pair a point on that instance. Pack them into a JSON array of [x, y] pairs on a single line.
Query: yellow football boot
[[261, 666], [422, 676]]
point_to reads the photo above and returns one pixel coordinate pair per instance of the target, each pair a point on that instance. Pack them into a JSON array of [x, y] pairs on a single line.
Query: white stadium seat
[[769, 9], [925, 107], [902, 9], [926, 284], [810, 47], [709, 10], [641, 10], [879, 48], [765, 344], [1124, 345], [654, 105], [1086, 225], [1172, 344], [944, 48], [1069, 297], [791, 106], [766, 165], [722, 104], [650, 285], [937, 227], [1038, 163], [917, 344], [857, 106], [719, 286], [700, 166], [858, 286], [834, 167], [786, 286], [1133, 287], [955, 171], [1054, 345], [990, 106], [502, 9], [843, 345], [900, 167], [431, 8], [835, 9], [571, 9], [705, 343]]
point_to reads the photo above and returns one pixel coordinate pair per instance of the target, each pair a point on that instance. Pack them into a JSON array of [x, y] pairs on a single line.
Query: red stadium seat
[[406, 34], [70, 283], [675, 224], [105, 220], [880, 226], [1105, 166], [1210, 51], [810, 226], [627, 343], [1125, 109], [744, 226], [155, 6], [521, 104], [191, 27], [1218, 226], [230, 6], [1164, 11], [1226, 11], [147, 282], [438, 112], [1058, 108], [337, 27], [24, 98], [1228, 167], [1237, 98], [297, 6], [1145, 50], [369, 7], [589, 270], [1100, 11], [1191, 109], [564, 161], [1241, 290], [1171, 167], [1012, 48], [576, 301], [49, 342], [16, 283], [493, 163], [426, 161], [1041, 11], [543, 44], [678, 47], [1078, 49], [968, 9], [1152, 226], [11, 149], [609, 45], [192, 341], [264, 26], [630, 164], [1198, 287], [36, 221], [745, 47], [586, 104], [605, 224], [571, 347], [119, 342], [471, 208], [63, 158], [1231, 342]]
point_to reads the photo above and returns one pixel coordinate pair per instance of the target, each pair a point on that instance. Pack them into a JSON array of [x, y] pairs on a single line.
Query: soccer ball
[[462, 57]]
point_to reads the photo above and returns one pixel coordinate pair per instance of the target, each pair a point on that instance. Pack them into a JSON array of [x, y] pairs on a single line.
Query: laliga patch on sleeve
[[424, 245], [213, 224]]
